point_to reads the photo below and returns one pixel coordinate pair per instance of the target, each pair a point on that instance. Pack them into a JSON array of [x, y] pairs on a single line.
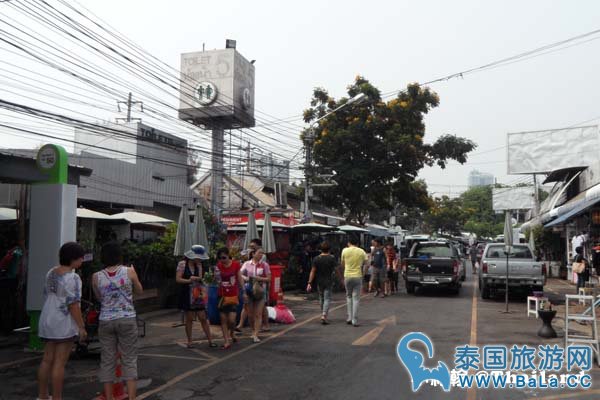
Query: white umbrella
[[183, 240], [251, 231], [531, 241], [508, 243], [268, 239], [199, 235]]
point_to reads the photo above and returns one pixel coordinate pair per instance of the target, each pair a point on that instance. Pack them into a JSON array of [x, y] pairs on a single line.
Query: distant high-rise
[[477, 178]]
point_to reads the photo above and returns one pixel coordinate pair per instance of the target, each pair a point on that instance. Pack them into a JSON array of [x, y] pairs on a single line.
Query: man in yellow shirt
[[352, 261]]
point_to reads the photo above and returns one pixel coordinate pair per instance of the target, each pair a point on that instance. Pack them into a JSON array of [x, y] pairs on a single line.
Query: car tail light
[[455, 267], [484, 268], [544, 270]]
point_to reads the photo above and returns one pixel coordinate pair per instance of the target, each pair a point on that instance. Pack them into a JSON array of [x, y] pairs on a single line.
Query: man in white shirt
[[577, 241]]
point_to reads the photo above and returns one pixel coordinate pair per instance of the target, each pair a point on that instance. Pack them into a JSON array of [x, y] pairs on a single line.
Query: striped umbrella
[[199, 235], [268, 238], [183, 239], [251, 231]]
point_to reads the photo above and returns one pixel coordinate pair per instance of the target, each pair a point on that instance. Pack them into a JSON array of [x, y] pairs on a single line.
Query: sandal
[[226, 346], [189, 345], [238, 330], [211, 344]]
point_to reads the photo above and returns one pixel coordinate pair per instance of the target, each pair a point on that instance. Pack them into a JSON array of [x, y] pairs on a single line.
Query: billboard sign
[[538, 152], [518, 198], [217, 88]]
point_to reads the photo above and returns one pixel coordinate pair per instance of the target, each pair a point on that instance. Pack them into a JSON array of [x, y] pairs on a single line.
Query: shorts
[[229, 308], [72, 339], [367, 278], [197, 308], [378, 277], [390, 274]]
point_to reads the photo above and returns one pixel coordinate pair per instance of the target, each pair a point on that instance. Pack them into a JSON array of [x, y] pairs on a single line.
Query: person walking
[[189, 275], [473, 254], [352, 261], [117, 332], [379, 276], [322, 273], [255, 274], [61, 323], [230, 284], [584, 276], [391, 265]]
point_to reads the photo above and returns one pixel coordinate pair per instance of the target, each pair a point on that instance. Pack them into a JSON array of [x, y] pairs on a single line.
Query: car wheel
[[410, 288], [485, 291]]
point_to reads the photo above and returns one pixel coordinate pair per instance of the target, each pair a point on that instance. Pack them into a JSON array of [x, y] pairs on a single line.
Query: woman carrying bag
[[189, 275], [256, 274], [230, 283], [581, 266]]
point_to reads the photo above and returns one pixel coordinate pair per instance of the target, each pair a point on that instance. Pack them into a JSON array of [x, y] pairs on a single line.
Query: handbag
[[196, 296], [258, 292], [228, 301], [578, 267]]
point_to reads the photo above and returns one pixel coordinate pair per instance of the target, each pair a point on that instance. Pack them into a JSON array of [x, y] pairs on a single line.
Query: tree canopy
[[375, 149]]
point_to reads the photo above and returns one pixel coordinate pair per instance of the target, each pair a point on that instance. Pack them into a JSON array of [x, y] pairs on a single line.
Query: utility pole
[[309, 140], [536, 196], [218, 166], [129, 103]]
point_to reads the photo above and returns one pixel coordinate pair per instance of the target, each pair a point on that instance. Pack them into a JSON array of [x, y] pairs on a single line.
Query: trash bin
[[275, 287]]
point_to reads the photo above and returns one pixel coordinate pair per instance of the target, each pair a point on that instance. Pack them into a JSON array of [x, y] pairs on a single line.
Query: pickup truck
[[525, 273], [433, 264]]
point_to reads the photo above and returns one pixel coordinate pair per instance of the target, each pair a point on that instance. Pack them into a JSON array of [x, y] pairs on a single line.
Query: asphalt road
[[309, 360]]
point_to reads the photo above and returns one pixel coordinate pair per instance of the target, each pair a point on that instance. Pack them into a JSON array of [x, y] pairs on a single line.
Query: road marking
[[179, 378], [472, 391], [203, 354], [368, 338], [568, 395], [18, 362], [171, 356]]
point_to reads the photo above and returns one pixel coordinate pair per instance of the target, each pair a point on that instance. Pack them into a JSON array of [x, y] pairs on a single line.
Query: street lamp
[[309, 139]]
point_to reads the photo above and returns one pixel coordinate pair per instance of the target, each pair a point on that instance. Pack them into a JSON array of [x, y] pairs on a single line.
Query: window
[[518, 252], [433, 250]]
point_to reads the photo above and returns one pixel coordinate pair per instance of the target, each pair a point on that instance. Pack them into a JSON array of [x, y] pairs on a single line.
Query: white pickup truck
[[525, 273]]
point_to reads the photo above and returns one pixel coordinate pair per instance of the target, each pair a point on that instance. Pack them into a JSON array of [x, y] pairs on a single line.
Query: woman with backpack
[[256, 274], [189, 275], [229, 279]]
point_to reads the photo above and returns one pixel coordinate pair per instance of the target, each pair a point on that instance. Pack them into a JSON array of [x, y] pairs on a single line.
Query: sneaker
[[355, 324], [255, 339]]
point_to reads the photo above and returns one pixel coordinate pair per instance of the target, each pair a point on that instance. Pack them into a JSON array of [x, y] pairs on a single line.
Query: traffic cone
[[119, 392]]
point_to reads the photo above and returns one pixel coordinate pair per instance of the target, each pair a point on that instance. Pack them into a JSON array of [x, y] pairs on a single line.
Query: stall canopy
[[351, 228], [140, 218], [575, 206], [313, 227], [90, 214]]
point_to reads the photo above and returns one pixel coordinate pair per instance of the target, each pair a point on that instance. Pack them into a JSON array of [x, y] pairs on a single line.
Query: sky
[[301, 45]]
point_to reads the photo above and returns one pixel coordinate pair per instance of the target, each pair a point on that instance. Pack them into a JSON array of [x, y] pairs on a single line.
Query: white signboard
[[519, 198], [545, 151]]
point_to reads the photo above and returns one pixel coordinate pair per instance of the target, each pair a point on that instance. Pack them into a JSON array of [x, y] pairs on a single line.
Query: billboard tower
[[217, 93]]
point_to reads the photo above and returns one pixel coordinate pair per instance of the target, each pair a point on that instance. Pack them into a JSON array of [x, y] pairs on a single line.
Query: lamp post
[[309, 140]]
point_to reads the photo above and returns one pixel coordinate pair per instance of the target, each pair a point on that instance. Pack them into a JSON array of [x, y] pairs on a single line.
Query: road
[[309, 360]]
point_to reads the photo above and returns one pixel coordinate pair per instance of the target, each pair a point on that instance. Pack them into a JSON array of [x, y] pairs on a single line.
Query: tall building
[[478, 178]]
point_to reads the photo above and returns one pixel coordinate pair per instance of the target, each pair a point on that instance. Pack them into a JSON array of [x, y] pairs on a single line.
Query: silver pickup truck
[[525, 273]]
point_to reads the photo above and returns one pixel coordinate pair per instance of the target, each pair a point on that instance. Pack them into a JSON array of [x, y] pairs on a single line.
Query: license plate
[[429, 279]]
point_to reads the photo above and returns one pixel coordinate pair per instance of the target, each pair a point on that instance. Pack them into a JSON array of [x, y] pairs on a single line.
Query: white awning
[[329, 216], [90, 214], [140, 218]]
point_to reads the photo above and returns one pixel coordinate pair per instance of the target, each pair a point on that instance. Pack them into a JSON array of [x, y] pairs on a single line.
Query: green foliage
[[446, 215], [375, 148]]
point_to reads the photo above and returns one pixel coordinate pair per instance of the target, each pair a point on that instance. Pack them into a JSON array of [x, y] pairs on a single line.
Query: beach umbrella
[[268, 239], [183, 239], [251, 231], [199, 235]]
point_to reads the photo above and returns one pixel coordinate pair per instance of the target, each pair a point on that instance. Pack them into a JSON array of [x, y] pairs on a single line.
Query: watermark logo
[[414, 362], [498, 366]]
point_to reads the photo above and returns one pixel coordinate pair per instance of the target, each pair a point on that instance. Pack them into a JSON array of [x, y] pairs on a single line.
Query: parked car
[[433, 264], [463, 260], [525, 273]]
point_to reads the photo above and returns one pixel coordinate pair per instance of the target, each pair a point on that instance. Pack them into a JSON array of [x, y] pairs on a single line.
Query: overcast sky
[[300, 45]]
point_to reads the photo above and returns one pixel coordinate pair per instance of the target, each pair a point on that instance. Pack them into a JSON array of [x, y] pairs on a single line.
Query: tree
[[375, 148], [446, 215]]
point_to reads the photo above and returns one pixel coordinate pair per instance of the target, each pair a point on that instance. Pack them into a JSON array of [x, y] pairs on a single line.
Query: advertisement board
[[518, 198], [538, 152]]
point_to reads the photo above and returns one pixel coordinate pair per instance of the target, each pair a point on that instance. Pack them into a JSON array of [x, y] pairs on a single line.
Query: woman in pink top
[[255, 270]]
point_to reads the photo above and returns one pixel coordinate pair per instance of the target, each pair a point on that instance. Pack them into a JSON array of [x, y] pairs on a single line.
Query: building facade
[[477, 178]]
